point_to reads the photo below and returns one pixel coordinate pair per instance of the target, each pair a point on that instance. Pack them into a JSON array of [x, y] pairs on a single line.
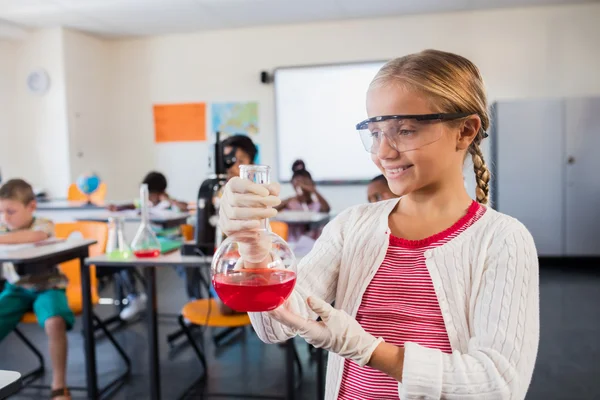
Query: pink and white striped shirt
[[400, 305]]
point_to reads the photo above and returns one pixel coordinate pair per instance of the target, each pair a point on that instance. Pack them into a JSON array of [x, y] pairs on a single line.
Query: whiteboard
[[317, 109]]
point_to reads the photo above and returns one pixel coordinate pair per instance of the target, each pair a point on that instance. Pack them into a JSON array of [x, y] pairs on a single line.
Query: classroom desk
[[10, 383], [66, 205], [149, 265], [302, 217], [169, 221], [52, 253], [57, 253]]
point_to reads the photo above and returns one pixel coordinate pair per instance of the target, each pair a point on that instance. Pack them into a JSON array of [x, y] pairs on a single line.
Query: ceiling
[[122, 18]]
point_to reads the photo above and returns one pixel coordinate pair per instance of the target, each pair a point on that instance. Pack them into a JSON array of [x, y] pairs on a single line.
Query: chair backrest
[[89, 230], [187, 231], [98, 196], [280, 228]]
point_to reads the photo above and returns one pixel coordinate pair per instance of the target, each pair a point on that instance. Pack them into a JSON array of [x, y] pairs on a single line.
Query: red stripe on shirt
[[400, 305]]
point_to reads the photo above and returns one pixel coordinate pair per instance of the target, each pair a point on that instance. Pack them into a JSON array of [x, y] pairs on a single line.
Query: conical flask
[[116, 245], [145, 244], [254, 271]]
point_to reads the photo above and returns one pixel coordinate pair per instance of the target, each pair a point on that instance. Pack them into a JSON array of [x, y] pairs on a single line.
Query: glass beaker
[[145, 244], [254, 271], [116, 245]]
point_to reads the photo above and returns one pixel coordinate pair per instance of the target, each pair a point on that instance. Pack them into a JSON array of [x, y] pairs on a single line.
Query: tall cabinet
[[546, 171]]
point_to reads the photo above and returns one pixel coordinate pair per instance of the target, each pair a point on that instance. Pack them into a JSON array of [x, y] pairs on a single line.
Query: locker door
[[582, 163], [528, 154]]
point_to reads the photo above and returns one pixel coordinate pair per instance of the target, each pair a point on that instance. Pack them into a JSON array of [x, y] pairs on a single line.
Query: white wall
[[535, 52], [39, 145], [50, 139], [88, 91], [100, 102], [8, 75]]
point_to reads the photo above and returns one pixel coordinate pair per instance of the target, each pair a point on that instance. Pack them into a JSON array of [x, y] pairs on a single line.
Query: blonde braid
[[482, 174]]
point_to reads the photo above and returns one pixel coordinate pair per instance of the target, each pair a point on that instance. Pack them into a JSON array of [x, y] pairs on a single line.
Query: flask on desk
[[116, 245], [254, 271], [145, 244]]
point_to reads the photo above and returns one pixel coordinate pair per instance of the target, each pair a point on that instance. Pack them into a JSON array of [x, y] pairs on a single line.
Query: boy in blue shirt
[[37, 288]]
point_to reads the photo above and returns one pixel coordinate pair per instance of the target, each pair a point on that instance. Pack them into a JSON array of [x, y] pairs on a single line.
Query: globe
[[88, 183]]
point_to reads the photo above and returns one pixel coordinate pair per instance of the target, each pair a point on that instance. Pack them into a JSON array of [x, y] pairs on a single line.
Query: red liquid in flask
[[254, 290], [147, 253]]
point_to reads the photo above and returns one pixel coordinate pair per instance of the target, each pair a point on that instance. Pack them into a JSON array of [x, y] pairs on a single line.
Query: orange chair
[[71, 269], [187, 231], [97, 197], [207, 313], [280, 228]]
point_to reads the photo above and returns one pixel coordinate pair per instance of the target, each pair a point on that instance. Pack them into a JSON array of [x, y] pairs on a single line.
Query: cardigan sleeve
[[317, 276], [504, 337]]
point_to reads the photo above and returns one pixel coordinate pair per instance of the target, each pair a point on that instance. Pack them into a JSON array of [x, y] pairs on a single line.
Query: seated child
[[240, 150], [378, 190], [39, 288], [307, 199], [159, 199], [158, 196]]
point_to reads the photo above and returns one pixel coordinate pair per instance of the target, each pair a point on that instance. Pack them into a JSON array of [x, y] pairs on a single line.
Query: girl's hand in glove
[[338, 332]]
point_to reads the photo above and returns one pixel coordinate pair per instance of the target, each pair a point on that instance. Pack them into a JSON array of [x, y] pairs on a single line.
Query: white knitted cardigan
[[486, 280]]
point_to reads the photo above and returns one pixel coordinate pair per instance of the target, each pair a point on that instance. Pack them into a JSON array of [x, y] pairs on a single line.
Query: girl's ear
[[469, 129]]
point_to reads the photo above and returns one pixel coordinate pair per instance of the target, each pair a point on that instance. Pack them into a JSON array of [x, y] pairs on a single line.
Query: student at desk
[[40, 289], [158, 196], [378, 190], [160, 200], [307, 199]]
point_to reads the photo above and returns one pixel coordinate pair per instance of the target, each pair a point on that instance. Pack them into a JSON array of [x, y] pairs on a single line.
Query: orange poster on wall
[[180, 122]]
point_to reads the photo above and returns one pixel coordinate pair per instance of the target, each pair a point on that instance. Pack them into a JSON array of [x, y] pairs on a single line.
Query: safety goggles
[[404, 132]]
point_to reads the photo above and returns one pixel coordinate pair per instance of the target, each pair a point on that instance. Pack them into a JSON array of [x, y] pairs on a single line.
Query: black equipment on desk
[[206, 215]]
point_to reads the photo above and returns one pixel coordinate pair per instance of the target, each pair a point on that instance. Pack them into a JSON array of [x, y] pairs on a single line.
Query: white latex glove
[[242, 206], [338, 332], [254, 247], [245, 203]]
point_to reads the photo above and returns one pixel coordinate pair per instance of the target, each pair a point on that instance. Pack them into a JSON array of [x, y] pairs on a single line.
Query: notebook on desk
[[169, 245], [13, 247]]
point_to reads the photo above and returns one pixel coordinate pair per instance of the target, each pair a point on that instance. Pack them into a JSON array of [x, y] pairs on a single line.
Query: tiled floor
[[568, 365]]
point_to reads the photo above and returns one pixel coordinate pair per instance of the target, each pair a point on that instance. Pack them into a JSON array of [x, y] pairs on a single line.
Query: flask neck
[[260, 174], [144, 204]]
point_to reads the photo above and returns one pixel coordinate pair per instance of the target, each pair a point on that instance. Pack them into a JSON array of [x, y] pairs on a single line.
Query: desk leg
[[151, 315], [88, 332], [290, 369], [320, 375]]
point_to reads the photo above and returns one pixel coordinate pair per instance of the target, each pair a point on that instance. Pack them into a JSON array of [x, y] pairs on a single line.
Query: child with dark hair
[[298, 165], [240, 150], [378, 190], [159, 200], [307, 197], [158, 196]]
